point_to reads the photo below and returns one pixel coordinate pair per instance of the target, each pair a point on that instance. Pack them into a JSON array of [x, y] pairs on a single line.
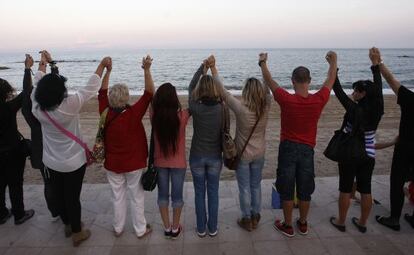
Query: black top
[[370, 109], [9, 135], [406, 102], [35, 127]]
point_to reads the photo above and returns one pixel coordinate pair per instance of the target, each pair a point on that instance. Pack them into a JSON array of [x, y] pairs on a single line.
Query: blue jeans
[[249, 178], [177, 176], [295, 166], [206, 175]]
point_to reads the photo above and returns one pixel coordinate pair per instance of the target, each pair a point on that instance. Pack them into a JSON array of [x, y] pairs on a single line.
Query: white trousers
[[119, 184]]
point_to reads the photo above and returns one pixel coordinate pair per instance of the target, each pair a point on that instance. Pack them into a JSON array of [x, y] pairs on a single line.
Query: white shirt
[[60, 152]]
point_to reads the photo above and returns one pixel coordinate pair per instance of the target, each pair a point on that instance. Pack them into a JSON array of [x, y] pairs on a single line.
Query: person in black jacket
[[12, 155], [402, 168], [36, 135], [363, 114]]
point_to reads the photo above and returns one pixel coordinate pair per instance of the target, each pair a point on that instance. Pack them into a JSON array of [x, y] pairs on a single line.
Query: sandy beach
[[330, 120]]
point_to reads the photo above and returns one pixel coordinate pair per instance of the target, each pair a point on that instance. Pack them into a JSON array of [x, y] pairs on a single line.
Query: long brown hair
[[254, 96], [165, 120]]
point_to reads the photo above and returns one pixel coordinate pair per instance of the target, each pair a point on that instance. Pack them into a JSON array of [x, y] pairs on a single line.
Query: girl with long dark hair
[[169, 122]]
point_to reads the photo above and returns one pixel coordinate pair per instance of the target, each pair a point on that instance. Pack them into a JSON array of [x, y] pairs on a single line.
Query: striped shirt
[[369, 140]]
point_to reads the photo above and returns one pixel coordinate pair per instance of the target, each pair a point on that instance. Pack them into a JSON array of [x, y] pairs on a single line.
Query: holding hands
[[332, 58], [375, 56], [28, 62], [146, 62]]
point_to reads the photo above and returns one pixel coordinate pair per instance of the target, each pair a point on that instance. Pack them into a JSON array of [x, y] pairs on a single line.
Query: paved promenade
[[42, 236]]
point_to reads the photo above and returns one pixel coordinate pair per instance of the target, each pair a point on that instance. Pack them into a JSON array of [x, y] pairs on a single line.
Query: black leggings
[[402, 162], [11, 175], [361, 170], [50, 196], [67, 187]]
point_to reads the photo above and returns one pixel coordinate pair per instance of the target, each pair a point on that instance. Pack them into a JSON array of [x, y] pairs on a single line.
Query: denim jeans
[[206, 176], [177, 176], [295, 166], [249, 178]]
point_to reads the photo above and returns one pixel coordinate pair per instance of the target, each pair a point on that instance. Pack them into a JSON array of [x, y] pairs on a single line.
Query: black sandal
[[386, 221], [337, 226], [409, 219], [360, 227]]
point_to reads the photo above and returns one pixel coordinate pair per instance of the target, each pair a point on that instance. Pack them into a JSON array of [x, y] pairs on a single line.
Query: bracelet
[[261, 61]]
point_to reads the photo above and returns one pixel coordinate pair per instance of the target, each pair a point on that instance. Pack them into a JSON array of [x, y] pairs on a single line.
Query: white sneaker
[[54, 219]]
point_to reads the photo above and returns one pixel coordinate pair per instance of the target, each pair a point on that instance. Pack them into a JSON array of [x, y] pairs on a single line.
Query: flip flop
[[361, 228], [385, 221], [147, 232], [409, 219], [337, 226]]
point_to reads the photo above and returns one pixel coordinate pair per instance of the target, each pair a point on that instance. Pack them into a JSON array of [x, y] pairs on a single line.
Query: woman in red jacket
[[126, 148]]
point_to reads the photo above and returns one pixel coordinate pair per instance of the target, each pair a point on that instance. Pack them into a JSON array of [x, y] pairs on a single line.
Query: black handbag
[[347, 146], [25, 146], [149, 178]]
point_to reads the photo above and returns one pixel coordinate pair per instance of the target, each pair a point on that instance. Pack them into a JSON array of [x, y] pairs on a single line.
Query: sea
[[177, 66]]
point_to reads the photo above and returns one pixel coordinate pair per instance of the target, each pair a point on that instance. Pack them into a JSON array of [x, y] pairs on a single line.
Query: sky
[[124, 24]]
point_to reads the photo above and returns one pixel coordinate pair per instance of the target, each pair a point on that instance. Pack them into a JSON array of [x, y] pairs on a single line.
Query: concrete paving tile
[[271, 247], [23, 251], [229, 233], [376, 244], [129, 250], [306, 246], [101, 250], [236, 248], [9, 234], [342, 246], [266, 232], [404, 242], [201, 249], [33, 237], [172, 248], [100, 237]]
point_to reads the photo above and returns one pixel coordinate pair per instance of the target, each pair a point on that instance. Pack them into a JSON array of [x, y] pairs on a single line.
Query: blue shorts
[[295, 167]]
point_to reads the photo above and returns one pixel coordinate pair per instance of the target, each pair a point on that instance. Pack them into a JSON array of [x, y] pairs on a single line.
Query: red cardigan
[[126, 146]]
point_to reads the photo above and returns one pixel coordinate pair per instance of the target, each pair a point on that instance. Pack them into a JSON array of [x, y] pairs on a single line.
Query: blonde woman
[[253, 107], [126, 149], [205, 154]]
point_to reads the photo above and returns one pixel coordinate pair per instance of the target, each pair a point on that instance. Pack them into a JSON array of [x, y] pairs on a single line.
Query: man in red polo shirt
[[300, 113]]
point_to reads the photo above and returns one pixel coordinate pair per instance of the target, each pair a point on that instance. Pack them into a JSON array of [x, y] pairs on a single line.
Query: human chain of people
[[57, 148]]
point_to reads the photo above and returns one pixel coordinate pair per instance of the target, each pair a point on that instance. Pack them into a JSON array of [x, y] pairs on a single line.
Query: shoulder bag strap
[[66, 132], [248, 139]]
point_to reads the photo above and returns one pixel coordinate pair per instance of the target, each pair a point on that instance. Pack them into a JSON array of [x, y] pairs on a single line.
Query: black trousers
[[402, 162], [11, 175], [50, 196], [67, 187]]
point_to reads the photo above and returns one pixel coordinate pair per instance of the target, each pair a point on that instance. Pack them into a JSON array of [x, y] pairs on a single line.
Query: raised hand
[[45, 56], [106, 62], [375, 56], [28, 62], [206, 66], [109, 66], [211, 61], [331, 57], [262, 58], [146, 62]]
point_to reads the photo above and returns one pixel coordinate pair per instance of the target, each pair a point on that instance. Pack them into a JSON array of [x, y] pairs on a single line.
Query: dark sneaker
[[388, 222], [284, 228], [245, 223], [213, 234], [6, 217], [255, 220], [341, 228], [302, 227], [175, 235], [409, 219], [27, 215], [360, 227], [167, 234]]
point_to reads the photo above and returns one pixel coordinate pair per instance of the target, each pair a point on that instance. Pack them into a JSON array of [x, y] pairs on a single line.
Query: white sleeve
[[73, 103]]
